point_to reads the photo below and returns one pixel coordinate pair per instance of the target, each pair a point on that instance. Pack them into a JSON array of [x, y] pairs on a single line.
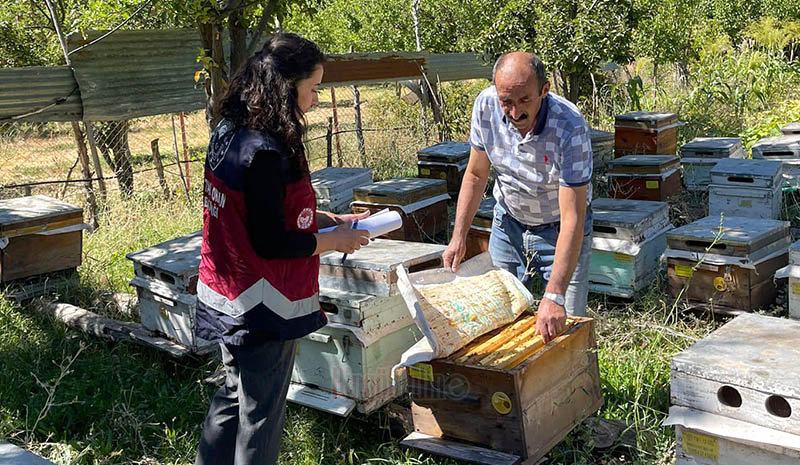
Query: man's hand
[[551, 319], [453, 254]]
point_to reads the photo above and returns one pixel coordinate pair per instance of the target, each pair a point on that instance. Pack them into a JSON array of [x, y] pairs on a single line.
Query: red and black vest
[[244, 298]]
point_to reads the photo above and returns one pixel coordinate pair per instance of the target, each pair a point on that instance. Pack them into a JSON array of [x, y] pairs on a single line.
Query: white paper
[[735, 430], [378, 224]]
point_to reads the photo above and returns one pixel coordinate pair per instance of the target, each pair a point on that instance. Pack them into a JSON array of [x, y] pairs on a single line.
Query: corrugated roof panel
[[131, 74], [26, 90], [457, 66]]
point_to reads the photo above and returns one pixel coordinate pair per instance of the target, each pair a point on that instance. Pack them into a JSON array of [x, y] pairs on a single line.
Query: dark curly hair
[[263, 93]]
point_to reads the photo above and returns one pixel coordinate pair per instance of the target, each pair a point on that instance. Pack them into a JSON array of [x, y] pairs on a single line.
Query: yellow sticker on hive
[[425, 171], [796, 288], [501, 402], [651, 184], [442, 175], [621, 257], [720, 284], [700, 445], [683, 270], [746, 203], [421, 371]]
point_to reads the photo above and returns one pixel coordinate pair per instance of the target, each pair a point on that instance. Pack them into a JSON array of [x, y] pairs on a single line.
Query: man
[[539, 146]]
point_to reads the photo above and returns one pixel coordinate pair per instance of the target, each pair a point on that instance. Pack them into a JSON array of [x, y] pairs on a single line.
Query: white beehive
[[792, 271], [736, 395], [785, 149], [700, 154], [746, 188], [334, 186]]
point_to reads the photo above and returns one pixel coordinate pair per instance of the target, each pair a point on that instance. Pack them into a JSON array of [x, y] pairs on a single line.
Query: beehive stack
[[629, 239], [792, 271], [746, 188], [699, 156], [445, 160], [791, 129], [785, 149], [728, 265], [645, 132], [602, 148], [736, 395], [334, 186], [346, 365], [645, 177]]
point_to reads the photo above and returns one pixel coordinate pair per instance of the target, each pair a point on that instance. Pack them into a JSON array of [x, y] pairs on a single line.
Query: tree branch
[[269, 10]]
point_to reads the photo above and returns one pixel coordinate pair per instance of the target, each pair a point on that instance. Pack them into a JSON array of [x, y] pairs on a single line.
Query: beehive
[[746, 188], [602, 148], [490, 394], [165, 278], [373, 269], [792, 271], [445, 160], [629, 239], [334, 186], [347, 364], [785, 149], [481, 228], [421, 203], [645, 177], [731, 265], [736, 395], [644, 132], [39, 235], [791, 129], [701, 154]]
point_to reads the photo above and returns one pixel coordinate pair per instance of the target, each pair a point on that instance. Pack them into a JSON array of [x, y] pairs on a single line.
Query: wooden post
[[91, 202], [96, 161], [185, 155], [329, 140], [28, 191], [336, 126], [178, 160], [159, 166]]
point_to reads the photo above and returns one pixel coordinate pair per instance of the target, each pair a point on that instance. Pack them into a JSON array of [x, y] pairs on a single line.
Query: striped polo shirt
[[530, 169]]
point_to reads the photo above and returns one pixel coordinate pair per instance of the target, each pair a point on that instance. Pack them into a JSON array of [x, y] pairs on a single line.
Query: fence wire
[[379, 127]]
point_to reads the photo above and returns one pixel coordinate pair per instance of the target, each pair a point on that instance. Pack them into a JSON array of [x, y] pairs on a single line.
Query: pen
[[355, 223]]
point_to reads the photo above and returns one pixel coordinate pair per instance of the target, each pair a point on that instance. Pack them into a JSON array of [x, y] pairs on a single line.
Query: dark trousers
[[245, 420]]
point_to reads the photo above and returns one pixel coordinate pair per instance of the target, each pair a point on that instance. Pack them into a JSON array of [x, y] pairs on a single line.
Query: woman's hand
[[350, 217], [348, 240]]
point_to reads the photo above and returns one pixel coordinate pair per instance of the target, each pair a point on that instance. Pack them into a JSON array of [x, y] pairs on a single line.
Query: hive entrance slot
[[328, 307], [167, 278], [605, 229], [740, 179], [148, 271], [706, 245], [778, 406], [729, 396], [780, 155]]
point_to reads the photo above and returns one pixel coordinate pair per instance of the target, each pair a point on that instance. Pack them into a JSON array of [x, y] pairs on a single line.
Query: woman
[[258, 287]]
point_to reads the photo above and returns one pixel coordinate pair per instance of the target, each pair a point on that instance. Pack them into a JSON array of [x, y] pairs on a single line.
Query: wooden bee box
[[421, 203], [165, 278], [700, 155], [738, 265], [602, 148], [628, 241], [736, 394], [507, 392], [38, 235], [643, 132], [792, 271], [746, 188], [445, 160], [791, 129], [351, 358], [373, 269], [785, 149], [645, 177], [334, 186], [480, 229]]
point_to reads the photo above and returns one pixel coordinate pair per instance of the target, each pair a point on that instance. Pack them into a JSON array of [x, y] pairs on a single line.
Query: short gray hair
[[537, 66]]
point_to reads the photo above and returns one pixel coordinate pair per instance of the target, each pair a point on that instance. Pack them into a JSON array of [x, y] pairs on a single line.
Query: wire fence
[[380, 127]]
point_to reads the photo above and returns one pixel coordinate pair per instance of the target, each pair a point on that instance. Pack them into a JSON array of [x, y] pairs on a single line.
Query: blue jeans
[[525, 250]]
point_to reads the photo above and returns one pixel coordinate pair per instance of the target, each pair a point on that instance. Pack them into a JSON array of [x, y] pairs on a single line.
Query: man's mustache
[[521, 117]]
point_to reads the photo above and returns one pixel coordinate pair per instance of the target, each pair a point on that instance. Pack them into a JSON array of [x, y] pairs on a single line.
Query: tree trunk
[[683, 74], [211, 37], [574, 87], [238, 33], [655, 85], [112, 141]]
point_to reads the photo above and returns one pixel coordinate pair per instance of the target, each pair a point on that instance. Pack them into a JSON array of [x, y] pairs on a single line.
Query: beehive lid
[[791, 129], [757, 169], [385, 255], [713, 147], [779, 147], [752, 351], [794, 253], [37, 211], [331, 180], [740, 236], [645, 119], [451, 152], [180, 256], [645, 164], [600, 138], [400, 191], [627, 219]]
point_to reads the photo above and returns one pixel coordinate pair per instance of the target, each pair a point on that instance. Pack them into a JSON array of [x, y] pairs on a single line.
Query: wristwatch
[[558, 299]]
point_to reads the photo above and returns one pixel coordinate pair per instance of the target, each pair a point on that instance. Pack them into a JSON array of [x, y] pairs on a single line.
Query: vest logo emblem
[[305, 218]]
